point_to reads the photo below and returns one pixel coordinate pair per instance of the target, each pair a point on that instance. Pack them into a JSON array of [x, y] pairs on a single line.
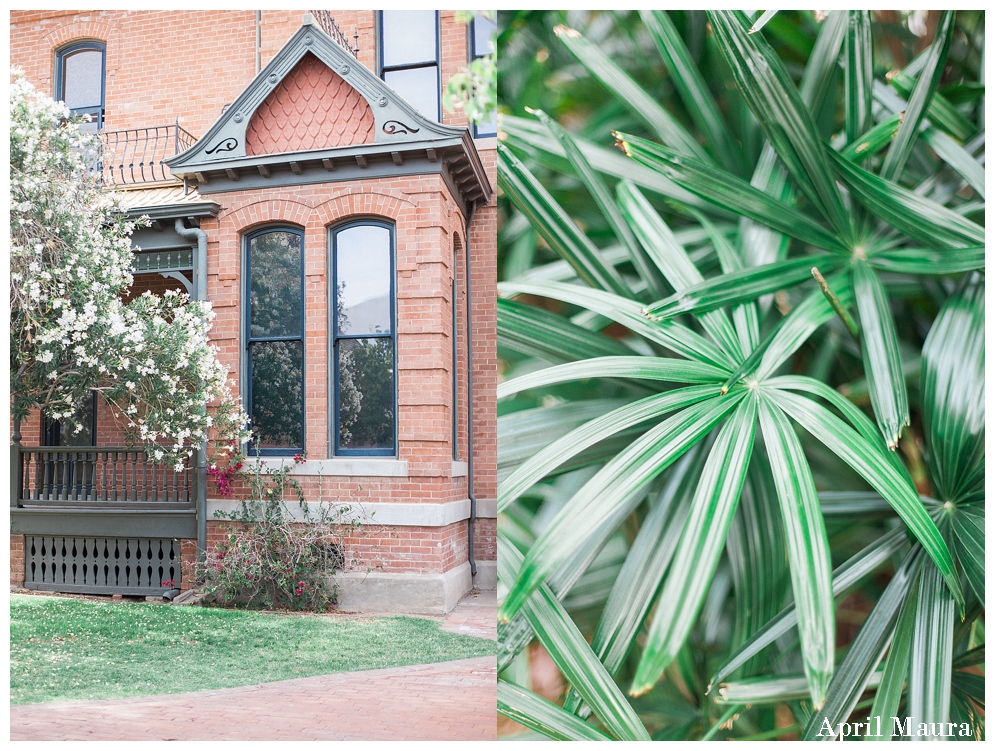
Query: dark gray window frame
[[68, 51], [382, 70], [335, 337], [473, 55], [248, 340]]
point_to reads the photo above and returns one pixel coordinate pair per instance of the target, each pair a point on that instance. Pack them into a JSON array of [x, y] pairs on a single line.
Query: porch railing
[[87, 476], [138, 156]]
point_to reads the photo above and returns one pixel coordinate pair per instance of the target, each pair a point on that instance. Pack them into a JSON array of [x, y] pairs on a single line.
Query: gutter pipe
[[200, 293], [469, 395]]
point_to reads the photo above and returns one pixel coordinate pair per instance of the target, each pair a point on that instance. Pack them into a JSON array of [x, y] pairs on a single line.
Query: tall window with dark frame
[[363, 343], [275, 339], [409, 57], [79, 81], [482, 43], [455, 306]]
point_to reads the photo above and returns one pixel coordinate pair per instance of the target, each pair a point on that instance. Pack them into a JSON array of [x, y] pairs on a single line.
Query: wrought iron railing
[[138, 156], [88, 476], [327, 22]]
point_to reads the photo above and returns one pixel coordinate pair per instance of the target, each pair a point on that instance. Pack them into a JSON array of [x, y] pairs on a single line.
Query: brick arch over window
[[85, 31], [246, 217], [311, 108], [387, 204]]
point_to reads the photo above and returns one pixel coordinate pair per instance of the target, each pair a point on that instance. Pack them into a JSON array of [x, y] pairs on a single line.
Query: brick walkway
[[445, 701]]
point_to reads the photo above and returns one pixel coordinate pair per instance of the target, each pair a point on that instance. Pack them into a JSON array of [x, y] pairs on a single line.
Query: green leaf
[[741, 286], [871, 142], [672, 260], [932, 651], [762, 245], [599, 191], [572, 654], [929, 80], [559, 451], [808, 548], [957, 157], [879, 471], [795, 329], [692, 89], [529, 137], [854, 673], [861, 565], [639, 578], [968, 524], [771, 690], [896, 667], [632, 469], [541, 715], [670, 334], [942, 113], [553, 223], [929, 261], [651, 368], [919, 218], [781, 113], [712, 510], [722, 189], [879, 349], [858, 75], [630, 94], [538, 332], [821, 67], [953, 395]]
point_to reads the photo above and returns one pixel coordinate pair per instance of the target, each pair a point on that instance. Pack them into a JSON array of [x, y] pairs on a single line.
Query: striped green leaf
[[879, 349], [808, 548], [929, 261], [880, 473], [573, 656], [541, 715], [858, 75], [650, 368], [630, 470], [918, 217], [701, 545], [630, 94], [727, 191], [538, 332], [554, 224], [932, 651], [779, 109]]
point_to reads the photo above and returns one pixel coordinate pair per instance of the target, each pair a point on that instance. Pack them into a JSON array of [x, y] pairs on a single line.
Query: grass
[[65, 649]]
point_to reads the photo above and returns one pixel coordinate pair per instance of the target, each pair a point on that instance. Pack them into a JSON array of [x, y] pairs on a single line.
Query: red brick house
[[305, 179]]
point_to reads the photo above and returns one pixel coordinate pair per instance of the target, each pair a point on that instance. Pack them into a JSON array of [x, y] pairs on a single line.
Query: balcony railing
[[98, 477], [327, 23], [137, 156]]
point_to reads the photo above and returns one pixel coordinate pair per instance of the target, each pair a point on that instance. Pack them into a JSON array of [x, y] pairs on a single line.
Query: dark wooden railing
[[86, 476]]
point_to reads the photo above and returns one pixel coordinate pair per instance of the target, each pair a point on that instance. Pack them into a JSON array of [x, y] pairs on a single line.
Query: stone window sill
[[360, 466]]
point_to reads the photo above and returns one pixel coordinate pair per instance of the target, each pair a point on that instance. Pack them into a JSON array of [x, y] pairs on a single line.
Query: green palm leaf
[[539, 714]]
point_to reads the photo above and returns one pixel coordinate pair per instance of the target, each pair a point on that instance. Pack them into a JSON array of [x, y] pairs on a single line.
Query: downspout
[[469, 396], [199, 293], [259, 40]]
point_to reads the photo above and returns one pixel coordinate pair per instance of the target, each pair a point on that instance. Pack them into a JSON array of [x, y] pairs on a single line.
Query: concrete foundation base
[[486, 578], [418, 594]]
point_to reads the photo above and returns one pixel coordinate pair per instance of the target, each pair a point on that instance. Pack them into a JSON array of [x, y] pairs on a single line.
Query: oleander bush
[[741, 419]]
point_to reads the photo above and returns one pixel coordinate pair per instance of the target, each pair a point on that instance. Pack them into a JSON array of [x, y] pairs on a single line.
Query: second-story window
[[409, 57], [274, 339], [363, 349], [482, 43], [79, 81]]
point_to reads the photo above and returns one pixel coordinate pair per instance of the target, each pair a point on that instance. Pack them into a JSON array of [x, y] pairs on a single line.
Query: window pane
[[275, 286], [82, 79], [362, 267], [419, 87], [482, 30], [366, 393], [487, 127], [409, 36], [277, 407]]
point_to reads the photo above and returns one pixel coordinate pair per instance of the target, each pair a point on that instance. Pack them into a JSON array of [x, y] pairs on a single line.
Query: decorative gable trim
[[405, 142]]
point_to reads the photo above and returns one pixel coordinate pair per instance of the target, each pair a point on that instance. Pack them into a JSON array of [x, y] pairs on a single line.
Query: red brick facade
[[185, 66]]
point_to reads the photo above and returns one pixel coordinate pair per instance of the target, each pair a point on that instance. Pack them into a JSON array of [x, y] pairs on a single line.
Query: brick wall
[[17, 560]]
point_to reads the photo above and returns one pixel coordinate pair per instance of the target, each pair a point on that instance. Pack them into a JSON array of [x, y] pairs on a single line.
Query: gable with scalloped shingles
[[311, 108]]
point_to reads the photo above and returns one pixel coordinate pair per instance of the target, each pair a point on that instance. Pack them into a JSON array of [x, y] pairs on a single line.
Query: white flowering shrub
[[71, 332]]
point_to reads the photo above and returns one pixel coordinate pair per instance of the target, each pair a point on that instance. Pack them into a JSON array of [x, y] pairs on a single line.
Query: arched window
[[363, 347], [274, 326], [79, 81]]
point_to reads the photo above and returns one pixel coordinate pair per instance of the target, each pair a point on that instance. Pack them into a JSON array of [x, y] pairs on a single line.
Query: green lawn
[[64, 649]]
